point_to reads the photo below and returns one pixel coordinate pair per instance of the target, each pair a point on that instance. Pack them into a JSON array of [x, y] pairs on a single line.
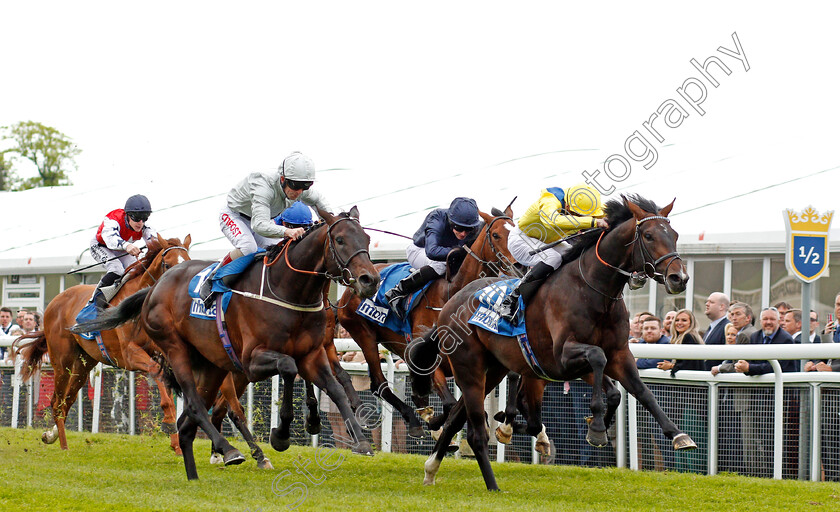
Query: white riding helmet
[[298, 167]]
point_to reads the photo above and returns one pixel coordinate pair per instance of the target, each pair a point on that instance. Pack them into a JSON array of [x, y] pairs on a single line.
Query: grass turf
[[121, 473]]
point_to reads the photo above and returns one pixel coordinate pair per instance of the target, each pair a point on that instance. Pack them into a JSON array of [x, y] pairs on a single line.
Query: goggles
[[460, 229], [298, 185], [138, 216]]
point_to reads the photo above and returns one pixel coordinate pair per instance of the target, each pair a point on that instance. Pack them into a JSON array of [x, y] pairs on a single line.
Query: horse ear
[[162, 241], [327, 216], [509, 211], [637, 212], [487, 218], [187, 241], [495, 212], [665, 211], [354, 212]]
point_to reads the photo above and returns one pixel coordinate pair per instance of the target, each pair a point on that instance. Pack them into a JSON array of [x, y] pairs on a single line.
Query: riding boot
[[407, 286], [99, 297], [527, 287], [208, 296]]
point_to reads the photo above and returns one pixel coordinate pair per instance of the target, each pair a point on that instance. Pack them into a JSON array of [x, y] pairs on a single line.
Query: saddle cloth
[[486, 316], [377, 310], [235, 267]]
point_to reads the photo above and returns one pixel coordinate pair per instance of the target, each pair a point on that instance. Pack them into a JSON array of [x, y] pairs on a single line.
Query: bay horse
[[72, 357], [577, 324], [288, 320], [488, 256]]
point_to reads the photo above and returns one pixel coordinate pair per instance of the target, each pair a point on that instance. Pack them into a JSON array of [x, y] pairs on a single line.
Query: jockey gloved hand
[[132, 250]]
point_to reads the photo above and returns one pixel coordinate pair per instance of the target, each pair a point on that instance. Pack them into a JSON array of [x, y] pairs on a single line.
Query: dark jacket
[[648, 362], [716, 337], [437, 237], [688, 364], [762, 367]]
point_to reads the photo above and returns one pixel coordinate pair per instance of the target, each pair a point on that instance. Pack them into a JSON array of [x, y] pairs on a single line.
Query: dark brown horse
[[73, 357], [488, 257], [288, 318], [577, 324]]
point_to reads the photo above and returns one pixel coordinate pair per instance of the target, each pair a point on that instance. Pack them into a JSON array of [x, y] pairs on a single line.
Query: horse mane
[[616, 212], [153, 248], [272, 251]]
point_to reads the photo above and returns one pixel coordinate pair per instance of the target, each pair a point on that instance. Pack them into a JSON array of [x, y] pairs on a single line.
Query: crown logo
[[809, 220]]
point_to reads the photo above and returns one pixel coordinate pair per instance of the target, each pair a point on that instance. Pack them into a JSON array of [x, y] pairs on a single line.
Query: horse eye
[[496, 236], [648, 237], [339, 240]]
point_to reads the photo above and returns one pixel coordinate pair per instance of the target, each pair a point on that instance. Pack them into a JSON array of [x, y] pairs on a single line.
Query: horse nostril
[[365, 280]]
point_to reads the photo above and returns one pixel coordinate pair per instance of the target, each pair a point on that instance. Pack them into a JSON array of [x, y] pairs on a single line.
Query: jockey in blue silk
[[296, 216], [443, 230], [557, 214], [113, 245], [247, 219]]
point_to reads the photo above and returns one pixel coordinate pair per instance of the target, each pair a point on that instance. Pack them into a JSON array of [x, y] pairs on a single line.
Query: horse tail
[[423, 359], [166, 374], [111, 318], [32, 352]]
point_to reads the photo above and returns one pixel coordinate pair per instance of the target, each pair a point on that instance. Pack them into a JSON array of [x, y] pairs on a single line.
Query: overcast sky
[[397, 95]]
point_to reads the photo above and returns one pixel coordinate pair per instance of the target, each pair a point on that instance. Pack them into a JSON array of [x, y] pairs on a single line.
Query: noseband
[[345, 276], [638, 278]]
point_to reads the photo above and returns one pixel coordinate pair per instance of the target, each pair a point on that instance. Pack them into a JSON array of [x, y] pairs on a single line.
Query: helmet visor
[[138, 216], [461, 229]]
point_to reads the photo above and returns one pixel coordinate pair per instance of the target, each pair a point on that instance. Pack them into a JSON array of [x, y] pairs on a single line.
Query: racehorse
[[72, 357], [488, 255], [260, 328], [577, 324]]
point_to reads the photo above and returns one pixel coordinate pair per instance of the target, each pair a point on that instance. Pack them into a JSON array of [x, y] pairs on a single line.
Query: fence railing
[[789, 422]]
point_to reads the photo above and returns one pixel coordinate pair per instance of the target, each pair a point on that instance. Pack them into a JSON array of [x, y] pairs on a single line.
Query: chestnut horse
[[289, 319], [577, 324], [488, 257], [72, 357]]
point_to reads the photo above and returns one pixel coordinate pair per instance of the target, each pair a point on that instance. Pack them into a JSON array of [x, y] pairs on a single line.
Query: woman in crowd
[[683, 332]]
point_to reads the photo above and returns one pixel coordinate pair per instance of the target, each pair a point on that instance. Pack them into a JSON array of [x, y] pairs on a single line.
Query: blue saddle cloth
[[377, 309], [237, 266], [87, 313], [486, 315]]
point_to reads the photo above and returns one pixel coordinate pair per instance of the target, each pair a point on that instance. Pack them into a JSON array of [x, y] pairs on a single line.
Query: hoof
[[426, 413], [175, 445], [264, 464], [363, 448], [168, 428], [50, 436], [234, 457], [452, 448], [596, 439], [313, 428], [543, 445], [588, 420], [278, 444], [504, 432], [430, 468], [684, 442], [436, 433], [416, 432], [217, 458]]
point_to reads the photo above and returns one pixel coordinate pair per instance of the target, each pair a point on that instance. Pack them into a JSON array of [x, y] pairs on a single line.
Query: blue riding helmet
[[298, 214], [464, 212]]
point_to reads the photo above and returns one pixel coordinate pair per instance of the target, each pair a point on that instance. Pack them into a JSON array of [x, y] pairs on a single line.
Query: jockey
[[247, 218], [555, 215], [296, 216], [442, 231], [113, 245]]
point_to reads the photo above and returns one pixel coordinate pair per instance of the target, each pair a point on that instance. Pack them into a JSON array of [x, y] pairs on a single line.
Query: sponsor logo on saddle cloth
[[486, 315], [370, 310], [197, 309]]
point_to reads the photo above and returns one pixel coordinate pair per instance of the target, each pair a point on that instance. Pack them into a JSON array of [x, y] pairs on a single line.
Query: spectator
[[782, 308], [727, 366], [831, 420], [29, 323], [792, 324], [831, 333], [683, 332], [667, 321], [636, 326], [741, 314], [6, 324], [814, 327], [716, 307], [729, 418], [652, 333], [20, 314], [754, 424]]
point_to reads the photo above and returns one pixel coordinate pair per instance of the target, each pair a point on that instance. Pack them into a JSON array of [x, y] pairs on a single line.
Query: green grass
[[117, 472]]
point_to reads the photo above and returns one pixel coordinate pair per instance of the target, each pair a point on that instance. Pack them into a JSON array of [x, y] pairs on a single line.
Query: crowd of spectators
[[15, 324], [746, 413]]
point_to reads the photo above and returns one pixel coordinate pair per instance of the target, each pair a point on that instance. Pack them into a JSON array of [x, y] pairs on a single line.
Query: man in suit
[[717, 306], [757, 419], [831, 333], [792, 324]]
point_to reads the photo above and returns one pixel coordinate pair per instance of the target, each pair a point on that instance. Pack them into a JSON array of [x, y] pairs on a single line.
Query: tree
[[8, 178], [51, 151]]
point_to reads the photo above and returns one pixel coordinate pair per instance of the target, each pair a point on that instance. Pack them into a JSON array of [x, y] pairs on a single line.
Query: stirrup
[[207, 294], [394, 305], [509, 308]]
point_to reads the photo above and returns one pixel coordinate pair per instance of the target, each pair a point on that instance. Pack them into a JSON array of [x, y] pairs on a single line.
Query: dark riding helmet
[[138, 207], [463, 213]]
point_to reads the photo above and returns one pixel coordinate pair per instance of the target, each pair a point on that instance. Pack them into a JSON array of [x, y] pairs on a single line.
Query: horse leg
[[531, 397], [454, 423], [446, 397], [231, 390], [312, 423], [195, 407], [279, 437], [622, 367], [342, 376], [66, 388], [574, 357], [473, 388], [314, 367], [219, 412], [504, 431]]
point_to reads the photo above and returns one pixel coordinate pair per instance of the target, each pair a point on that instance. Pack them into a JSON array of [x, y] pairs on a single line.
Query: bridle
[[503, 261], [636, 278], [164, 266]]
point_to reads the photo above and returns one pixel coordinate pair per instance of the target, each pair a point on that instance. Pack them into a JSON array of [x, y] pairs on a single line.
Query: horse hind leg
[[64, 396], [506, 418], [280, 436], [312, 423], [575, 356], [454, 422]]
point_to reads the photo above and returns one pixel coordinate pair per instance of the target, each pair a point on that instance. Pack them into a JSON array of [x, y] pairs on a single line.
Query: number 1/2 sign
[[807, 243]]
